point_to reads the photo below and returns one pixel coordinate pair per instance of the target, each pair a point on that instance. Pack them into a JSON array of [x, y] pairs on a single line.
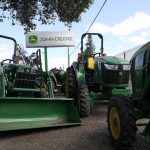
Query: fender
[[79, 73]]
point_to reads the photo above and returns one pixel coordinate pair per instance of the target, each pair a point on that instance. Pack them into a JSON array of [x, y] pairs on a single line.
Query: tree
[[28, 12], [90, 48]]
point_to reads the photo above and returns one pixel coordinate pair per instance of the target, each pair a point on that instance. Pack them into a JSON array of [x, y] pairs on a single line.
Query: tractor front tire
[[70, 83], [80, 96], [121, 122], [84, 101]]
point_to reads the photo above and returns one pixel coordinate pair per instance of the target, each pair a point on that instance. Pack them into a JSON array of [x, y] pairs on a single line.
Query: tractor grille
[[25, 80], [113, 77]]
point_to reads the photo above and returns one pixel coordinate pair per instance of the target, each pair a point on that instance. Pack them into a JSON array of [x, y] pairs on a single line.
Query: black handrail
[[15, 46], [99, 35]]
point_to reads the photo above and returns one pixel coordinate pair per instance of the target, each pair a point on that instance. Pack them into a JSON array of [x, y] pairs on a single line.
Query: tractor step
[[145, 135], [26, 90]]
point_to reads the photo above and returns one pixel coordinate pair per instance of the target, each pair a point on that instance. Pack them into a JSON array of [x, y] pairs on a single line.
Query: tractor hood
[[112, 60]]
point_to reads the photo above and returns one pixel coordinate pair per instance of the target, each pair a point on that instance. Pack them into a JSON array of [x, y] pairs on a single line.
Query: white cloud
[[133, 30], [57, 62], [145, 33], [100, 28], [5, 52], [132, 24], [137, 40], [4, 47]]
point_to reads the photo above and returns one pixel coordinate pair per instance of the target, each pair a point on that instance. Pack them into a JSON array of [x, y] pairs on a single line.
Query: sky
[[124, 24]]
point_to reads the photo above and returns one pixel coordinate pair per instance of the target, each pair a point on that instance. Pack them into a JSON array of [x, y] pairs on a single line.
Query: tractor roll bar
[[98, 34], [15, 46]]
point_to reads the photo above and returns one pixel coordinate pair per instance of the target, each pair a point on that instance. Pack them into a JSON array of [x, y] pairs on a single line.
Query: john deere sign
[[49, 39]]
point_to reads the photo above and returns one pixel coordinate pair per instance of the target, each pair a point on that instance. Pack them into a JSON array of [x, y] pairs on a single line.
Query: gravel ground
[[91, 135]]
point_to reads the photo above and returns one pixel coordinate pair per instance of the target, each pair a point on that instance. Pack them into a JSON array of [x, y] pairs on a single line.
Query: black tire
[[121, 122], [84, 109], [80, 96], [71, 83], [71, 87]]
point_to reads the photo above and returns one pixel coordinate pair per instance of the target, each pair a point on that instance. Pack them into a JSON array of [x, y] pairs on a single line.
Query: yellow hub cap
[[114, 123]]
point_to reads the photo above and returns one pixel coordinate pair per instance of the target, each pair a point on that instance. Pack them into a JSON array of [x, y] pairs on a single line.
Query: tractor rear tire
[[121, 122], [84, 101]]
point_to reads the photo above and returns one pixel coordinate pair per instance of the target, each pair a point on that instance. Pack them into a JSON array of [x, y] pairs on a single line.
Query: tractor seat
[[90, 67], [90, 63]]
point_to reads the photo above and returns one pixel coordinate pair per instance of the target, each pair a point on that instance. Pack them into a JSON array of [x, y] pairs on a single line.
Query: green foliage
[[90, 48], [27, 12]]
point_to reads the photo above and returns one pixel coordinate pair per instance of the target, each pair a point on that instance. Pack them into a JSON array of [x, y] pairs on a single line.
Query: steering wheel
[[96, 54], [10, 60]]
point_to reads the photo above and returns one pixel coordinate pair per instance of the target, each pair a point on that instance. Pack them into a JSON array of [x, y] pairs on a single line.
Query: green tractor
[[26, 95], [124, 111], [98, 78]]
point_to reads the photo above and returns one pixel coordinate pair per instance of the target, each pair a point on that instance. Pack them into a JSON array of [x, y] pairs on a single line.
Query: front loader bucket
[[27, 113]]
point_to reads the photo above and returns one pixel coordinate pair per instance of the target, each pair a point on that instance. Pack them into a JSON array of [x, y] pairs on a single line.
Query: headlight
[[126, 67], [111, 67]]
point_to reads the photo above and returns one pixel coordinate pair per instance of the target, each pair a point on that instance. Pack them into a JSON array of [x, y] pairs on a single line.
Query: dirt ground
[[91, 135]]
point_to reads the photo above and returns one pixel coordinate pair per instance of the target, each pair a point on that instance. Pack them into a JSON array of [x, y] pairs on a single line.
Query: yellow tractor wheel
[[121, 122], [114, 123]]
